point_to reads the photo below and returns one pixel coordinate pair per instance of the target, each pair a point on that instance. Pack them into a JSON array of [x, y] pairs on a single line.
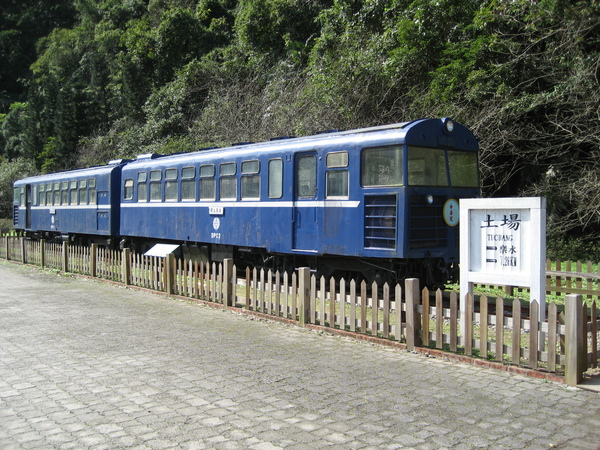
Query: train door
[[28, 206], [103, 211], [305, 231]]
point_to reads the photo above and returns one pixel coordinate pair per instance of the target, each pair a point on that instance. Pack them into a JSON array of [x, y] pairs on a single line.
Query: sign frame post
[[503, 242]]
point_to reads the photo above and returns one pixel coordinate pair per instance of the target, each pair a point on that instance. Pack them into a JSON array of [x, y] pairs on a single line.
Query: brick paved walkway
[[90, 365]]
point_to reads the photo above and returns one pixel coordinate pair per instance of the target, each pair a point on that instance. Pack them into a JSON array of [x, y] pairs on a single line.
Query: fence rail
[[565, 343]]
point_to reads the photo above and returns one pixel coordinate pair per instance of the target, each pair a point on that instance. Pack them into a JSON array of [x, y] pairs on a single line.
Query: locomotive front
[[441, 167]]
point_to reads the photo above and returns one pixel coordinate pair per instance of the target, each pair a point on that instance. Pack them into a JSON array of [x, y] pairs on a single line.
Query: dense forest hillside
[[86, 81]]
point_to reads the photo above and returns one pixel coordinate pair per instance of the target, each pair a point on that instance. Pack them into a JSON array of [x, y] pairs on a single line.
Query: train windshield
[[427, 167], [463, 169]]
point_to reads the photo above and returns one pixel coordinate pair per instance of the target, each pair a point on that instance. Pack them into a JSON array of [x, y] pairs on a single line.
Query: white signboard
[[503, 242]]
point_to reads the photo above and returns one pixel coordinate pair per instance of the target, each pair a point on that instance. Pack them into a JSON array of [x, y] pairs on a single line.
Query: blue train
[[380, 201]]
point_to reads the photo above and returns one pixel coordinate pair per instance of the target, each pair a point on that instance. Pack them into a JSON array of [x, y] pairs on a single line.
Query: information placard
[[503, 242]]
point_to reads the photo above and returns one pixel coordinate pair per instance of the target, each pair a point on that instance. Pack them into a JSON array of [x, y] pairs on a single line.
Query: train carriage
[[80, 205], [380, 201]]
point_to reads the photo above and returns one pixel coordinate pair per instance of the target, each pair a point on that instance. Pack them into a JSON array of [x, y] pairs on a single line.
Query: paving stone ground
[[84, 364]]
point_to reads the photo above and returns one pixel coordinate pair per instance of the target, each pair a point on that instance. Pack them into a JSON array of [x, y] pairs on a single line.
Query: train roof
[[77, 173], [424, 132]]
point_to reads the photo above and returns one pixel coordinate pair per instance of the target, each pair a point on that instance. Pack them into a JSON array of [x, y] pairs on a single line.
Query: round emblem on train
[[451, 212]]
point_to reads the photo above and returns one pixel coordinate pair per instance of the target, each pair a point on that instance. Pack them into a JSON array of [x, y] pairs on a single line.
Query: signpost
[[503, 242]]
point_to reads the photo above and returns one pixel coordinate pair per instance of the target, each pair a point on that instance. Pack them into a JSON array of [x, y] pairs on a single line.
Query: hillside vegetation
[[86, 81]]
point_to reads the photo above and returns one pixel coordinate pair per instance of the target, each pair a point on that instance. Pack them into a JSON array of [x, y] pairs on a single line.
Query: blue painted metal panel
[[295, 223], [96, 214]]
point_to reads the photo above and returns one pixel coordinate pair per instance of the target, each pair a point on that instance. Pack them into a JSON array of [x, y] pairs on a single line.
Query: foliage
[[103, 79]]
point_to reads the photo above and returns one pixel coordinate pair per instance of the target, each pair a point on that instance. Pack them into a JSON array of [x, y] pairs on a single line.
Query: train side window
[[56, 193], [188, 183], [128, 189], [207, 182], [73, 194], [306, 176], [92, 191], [142, 187], [250, 180], [49, 194], [382, 166], [171, 185], [275, 178], [83, 192], [155, 186], [42, 195], [227, 182], [64, 186], [337, 179]]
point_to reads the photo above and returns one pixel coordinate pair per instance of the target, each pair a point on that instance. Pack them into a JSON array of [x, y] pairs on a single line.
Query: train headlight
[[449, 125], [429, 199]]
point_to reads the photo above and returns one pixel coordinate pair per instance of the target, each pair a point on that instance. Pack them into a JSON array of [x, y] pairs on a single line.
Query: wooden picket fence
[[576, 278], [494, 329]]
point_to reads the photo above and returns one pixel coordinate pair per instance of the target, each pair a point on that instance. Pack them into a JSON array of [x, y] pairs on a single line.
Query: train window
[[171, 185], [73, 197], [337, 183], [56, 194], [48, 193], [16, 195], [228, 188], [250, 187], [227, 169], [92, 195], [427, 167], [83, 196], [92, 182], [142, 187], [337, 180], [128, 189], [22, 199], [155, 192], [382, 166], [306, 176], [207, 182], [35, 198], [64, 196], [250, 166], [337, 159], [42, 195], [463, 169], [250, 180], [275, 178], [83, 193], [207, 189], [208, 170], [227, 183], [188, 183], [155, 186]]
